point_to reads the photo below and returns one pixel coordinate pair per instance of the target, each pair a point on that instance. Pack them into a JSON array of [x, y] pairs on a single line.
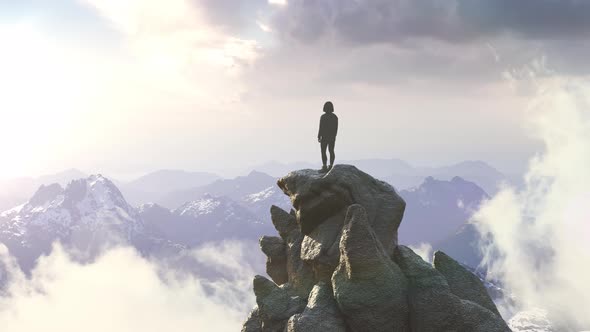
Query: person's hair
[[329, 107]]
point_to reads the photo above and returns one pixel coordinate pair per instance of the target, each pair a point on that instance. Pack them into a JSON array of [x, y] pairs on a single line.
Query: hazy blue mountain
[[381, 168], [153, 186], [279, 169], [462, 245], [403, 175], [209, 218], [486, 176], [437, 208], [257, 190]]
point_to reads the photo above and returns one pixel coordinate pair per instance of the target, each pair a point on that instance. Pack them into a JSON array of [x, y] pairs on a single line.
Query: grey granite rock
[[370, 289], [285, 223], [318, 248], [342, 238], [275, 304], [300, 273], [434, 307], [275, 249], [463, 283], [253, 323], [317, 196], [321, 313]]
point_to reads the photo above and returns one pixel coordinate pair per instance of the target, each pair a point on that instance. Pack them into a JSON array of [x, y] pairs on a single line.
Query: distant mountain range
[[171, 188], [88, 211], [153, 186], [404, 175]]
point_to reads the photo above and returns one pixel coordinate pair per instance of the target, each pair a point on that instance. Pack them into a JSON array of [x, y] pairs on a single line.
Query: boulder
[[434, 307], [370, 289], [429, 295], [275, 304], [300, 274], [321, 313], [320, 248], [462, 282], [275, 249]]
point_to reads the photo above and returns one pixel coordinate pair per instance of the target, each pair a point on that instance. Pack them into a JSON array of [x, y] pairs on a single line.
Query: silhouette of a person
[[327, 134]]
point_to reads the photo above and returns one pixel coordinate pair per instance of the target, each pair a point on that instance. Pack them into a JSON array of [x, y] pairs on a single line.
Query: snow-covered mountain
[[84, 214]]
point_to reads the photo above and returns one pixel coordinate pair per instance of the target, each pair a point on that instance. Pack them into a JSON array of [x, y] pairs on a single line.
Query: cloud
[[174, 48], [235, 16], [123, 292], [457, 21], [540, 233]]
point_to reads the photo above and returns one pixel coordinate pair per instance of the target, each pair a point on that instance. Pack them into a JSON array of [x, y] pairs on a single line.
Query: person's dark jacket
[[328, 127]]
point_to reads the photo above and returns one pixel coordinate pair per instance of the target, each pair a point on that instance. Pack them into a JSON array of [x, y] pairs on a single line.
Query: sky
[[125, 87]]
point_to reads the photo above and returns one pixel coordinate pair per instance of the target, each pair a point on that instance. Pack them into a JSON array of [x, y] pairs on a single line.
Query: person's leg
[[324, 146], [332, 145]]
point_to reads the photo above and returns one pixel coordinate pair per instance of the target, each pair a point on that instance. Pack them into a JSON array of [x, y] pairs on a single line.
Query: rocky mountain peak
[[46, 193], [337, 265]]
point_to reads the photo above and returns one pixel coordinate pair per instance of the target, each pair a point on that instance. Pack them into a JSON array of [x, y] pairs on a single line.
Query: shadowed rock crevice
[[337, 266]]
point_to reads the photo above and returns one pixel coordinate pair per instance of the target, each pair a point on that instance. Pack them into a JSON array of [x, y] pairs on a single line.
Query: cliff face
[[337, 266]]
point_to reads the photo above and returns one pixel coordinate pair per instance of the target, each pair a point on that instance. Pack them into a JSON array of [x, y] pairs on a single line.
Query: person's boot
[[330, 167], [324, 169]]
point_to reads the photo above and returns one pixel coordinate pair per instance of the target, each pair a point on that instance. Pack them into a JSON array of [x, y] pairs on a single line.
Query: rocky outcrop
[[253, 323], [370, 288], [321, 313], [337, 266], [275, 304], [462, 282], [317, 196], [299, 273], [275, 250], [434, 306]]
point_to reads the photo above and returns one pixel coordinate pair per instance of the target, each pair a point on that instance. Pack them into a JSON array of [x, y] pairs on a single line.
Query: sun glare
[[39, 90]]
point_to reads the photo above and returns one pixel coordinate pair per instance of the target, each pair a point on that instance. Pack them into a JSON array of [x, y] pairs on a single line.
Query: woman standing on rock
[[327, 134]]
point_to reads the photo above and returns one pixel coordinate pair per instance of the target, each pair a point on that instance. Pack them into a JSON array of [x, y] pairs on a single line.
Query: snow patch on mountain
[[206, 205], [89, 204], [260, 196]]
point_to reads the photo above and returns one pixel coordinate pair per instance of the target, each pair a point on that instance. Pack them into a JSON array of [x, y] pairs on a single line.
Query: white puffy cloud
[[123, 292], [540, 234]]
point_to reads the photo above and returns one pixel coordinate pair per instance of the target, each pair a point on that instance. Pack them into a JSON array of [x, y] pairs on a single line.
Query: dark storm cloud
[[375, 21]]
